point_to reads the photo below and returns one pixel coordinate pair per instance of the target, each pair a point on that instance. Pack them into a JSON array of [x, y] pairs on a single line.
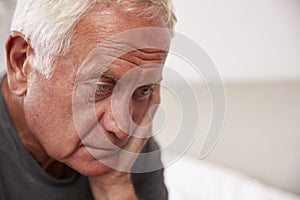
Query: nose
[[120, 126]]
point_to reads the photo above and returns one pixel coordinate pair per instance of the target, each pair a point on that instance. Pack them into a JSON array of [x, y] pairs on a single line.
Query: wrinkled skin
[[42, 109]]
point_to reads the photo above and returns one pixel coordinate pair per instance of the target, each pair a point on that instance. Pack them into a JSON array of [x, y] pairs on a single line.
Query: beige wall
[[6, 9], [261, 135]]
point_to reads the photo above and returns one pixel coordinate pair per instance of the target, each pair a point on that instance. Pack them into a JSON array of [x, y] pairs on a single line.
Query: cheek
[[46, 107], [87, 115], [49, 116]]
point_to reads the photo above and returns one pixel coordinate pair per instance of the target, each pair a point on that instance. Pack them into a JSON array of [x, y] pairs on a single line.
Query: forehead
[[141, 63], [102, 22], [105, 34]]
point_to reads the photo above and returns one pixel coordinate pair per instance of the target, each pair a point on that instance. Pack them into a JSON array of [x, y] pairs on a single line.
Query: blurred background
[[255, 46]]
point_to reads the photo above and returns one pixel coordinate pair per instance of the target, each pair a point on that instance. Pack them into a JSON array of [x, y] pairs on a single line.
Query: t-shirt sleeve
[[149, 185]]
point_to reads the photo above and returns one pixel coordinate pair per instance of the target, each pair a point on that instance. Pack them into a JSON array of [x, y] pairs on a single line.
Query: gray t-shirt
[[21, 178]]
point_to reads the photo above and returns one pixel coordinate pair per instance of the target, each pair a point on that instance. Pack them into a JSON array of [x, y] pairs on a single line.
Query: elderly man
[[76, 103]]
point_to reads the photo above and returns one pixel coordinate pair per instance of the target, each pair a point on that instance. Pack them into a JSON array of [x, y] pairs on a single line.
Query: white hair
[[49, 24]]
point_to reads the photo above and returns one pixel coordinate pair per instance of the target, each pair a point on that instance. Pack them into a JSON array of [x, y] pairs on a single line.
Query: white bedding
[[192, 179]]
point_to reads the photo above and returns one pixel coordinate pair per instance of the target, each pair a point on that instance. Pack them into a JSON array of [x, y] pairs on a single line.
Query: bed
[[191, 179]]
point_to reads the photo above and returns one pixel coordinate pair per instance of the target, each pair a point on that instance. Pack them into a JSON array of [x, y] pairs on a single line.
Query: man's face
[[85, 111]]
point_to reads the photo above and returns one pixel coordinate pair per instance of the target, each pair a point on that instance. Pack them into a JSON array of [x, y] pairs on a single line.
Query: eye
[[143, 92], [103, 90]]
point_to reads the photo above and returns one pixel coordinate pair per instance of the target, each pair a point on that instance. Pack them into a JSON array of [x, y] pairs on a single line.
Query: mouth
[[100, 153], [90, 146], [104, 149], [102, 143]]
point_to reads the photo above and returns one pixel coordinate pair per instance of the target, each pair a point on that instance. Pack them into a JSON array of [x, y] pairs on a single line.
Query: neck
[[15, 108]]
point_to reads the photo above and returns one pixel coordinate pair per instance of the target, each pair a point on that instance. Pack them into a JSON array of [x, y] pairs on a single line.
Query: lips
[[100, 153], [103, 145]]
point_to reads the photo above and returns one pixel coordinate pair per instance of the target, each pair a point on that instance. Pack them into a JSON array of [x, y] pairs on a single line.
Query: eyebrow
[[94, 74], [109, 74]]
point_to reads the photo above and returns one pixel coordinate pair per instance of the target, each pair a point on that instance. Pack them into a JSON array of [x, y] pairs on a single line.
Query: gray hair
[[49, 24]]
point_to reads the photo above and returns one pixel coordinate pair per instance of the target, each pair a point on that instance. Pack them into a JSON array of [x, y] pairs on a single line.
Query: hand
[[117, 184]]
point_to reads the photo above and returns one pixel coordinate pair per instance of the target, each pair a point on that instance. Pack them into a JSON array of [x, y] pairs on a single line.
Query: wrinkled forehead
[[141, 47], [146, 39]]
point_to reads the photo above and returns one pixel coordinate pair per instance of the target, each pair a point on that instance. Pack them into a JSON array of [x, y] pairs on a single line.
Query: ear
[[17, 62]]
